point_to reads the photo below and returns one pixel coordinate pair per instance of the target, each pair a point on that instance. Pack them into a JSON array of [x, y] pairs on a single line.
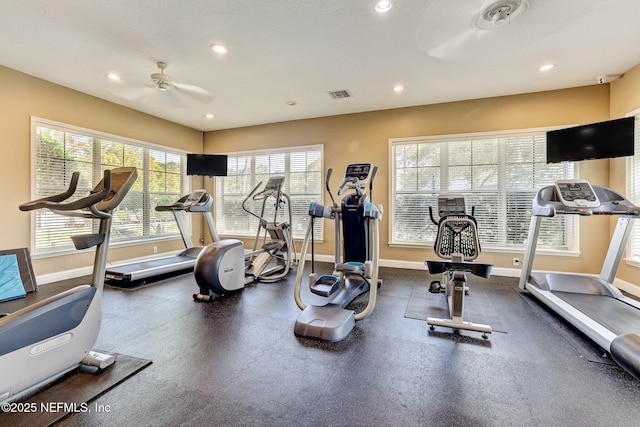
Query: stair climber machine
[[457, 243], [41, 342], [356, 221], [224, 267], [591, 304], [198, 201]]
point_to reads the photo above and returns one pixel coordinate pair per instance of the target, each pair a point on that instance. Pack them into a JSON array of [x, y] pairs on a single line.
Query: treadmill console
[[577, 193], [195, 198]]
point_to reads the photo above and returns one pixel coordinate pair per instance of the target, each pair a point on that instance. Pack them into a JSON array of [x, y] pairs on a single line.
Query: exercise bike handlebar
[[55, 202]]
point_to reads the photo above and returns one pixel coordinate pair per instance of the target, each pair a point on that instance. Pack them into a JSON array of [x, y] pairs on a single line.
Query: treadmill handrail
[[55, 202]]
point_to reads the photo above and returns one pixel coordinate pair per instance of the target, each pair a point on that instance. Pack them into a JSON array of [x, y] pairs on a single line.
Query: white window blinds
[[61, 149], [302, 168], [498, 174], [633, 177]]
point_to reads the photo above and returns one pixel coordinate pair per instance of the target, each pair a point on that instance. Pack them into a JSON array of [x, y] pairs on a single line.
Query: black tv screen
[[207, 164], [604, 140]]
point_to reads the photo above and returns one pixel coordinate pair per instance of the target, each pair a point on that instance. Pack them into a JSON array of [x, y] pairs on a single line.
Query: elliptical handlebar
[[348, 180], [373, 176], [54, 202], [328, 187], [250, 196]]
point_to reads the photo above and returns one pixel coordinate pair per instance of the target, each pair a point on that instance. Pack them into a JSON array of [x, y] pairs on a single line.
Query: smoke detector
[[501, 13]]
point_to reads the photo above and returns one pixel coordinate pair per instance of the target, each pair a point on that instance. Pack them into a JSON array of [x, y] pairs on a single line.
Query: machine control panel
[[577, 193], [195, 198], [451, 204], [360, 171], [273, 187], [357, 176]]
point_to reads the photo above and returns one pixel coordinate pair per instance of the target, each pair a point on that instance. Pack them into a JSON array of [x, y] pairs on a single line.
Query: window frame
[[251, 232], [573, 235], [96, 166], [632, 182]]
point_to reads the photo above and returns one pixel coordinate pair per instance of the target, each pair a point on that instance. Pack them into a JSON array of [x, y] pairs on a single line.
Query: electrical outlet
[[155, 249], [516, 261]]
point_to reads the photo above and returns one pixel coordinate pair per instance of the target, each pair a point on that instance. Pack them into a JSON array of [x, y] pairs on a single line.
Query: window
[[61, 150], [302, 169], [633, 184], [499, 175]]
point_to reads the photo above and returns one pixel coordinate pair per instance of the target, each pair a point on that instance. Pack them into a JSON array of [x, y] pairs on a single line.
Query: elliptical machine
[[356, 222], [276, 255], [457, 242], [45, 340], [223, 267]]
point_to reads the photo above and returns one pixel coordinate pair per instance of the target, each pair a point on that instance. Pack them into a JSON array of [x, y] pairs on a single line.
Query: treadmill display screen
[[579, 190], [576, 193]]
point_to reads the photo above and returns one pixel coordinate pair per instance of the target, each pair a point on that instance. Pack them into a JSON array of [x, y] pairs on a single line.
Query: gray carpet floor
[[236, 362]]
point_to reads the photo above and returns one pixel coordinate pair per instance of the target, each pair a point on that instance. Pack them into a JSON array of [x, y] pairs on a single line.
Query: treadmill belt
[[615, 315], [154, 263]]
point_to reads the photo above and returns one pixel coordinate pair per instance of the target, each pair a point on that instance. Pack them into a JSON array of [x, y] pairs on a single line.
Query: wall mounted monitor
[[207, 164], [603, 140]]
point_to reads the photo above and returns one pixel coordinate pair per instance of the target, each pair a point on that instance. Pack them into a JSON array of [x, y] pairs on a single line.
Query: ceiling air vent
[[339, 94]]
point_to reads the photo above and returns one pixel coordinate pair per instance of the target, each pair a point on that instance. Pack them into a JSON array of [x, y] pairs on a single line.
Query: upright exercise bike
[[43, 341], [356, 221], [457, 243]]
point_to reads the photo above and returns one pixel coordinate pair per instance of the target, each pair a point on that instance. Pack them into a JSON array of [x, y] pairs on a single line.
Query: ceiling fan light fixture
[[501, 16], [502, 12], [383, 6], [219, 48]]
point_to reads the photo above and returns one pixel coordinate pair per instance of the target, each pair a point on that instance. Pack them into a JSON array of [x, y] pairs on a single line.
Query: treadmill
[[591, 304], [197, 201]]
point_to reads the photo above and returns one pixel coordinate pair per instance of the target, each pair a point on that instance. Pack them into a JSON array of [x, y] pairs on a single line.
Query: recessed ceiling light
[[398, 88], [546, 67], [383, 6], [113, 76], [209, 116], [219, 48]]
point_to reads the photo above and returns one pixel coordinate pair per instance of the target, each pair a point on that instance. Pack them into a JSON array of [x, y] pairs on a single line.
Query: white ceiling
[[299, 50]]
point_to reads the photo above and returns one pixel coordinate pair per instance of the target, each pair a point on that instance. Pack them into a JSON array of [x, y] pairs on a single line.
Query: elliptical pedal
[[326, 285]]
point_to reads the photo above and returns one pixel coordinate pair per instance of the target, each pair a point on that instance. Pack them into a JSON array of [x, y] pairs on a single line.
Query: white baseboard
[[419, 265], [43, 279], [408, 265]]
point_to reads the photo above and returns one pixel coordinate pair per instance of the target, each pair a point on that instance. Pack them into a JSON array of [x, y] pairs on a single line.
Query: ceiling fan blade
[[182, 95], [449, 34], [192, 95], [132, 92]]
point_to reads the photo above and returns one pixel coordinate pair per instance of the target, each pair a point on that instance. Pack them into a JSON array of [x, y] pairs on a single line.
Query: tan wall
[[354, 137], [625, 98], [24, 96], [364, 137]]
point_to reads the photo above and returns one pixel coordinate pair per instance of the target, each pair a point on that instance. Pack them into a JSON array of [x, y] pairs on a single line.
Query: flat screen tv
[[207, 164], [604, 140]]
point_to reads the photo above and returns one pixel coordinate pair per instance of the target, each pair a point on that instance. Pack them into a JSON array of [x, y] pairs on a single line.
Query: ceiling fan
[[161, 87], [457, 29]]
